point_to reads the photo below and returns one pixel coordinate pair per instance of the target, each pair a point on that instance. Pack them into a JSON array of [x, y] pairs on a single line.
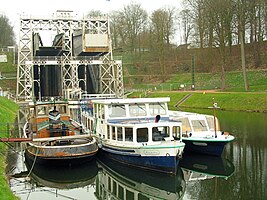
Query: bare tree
[[221, 17], [186, 24], [197, 8], [241, 10], [162, 29], [133, 22], [94, 13]]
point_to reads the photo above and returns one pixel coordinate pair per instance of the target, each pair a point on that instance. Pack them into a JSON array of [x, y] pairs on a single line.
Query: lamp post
[[193, 73]]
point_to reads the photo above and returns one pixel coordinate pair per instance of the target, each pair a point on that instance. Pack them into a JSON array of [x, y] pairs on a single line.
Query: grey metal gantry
[[95, 35]]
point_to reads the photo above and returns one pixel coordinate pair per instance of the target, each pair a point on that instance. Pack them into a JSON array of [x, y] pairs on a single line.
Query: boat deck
[[64, 128]]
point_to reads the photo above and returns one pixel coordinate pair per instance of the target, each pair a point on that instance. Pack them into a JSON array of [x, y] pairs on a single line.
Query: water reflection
[[247, 153], [62, 177], [200, 167], [55, 182], [117, 181]]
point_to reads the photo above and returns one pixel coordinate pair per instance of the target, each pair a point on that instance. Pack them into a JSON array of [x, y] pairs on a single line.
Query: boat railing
[[98, 96]]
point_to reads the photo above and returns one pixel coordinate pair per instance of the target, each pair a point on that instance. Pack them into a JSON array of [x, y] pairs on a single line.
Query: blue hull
[[164, 164], [204, 147]]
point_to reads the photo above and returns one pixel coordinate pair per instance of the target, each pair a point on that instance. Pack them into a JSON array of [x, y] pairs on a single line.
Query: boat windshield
[[117, 110], [137, 109], [210, 120], [157, 109], [199, 125], [185, 125]]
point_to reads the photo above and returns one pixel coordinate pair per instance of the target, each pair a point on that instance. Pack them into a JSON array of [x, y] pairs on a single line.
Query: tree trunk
[[243, 60]]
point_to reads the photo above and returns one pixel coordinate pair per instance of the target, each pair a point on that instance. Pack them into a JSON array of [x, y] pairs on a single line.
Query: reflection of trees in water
[[248, 152], [15, 151]]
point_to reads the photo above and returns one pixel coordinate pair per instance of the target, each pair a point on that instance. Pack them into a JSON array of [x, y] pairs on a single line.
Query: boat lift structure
[[80, 58]]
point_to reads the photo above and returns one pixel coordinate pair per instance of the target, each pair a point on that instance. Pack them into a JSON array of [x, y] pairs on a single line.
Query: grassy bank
[[210, 81], [250, 102], [8, 111]]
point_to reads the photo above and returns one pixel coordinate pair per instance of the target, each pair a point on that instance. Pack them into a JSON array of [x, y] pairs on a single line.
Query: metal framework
[[111, 79]]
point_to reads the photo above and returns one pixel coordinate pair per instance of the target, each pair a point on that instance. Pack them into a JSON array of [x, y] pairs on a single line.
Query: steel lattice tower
[[110, 79]]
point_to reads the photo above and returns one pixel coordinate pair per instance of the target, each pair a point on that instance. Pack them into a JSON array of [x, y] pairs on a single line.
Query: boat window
[[137, 109], [157, 109], [129, 194], [117, 111], [199, 125], [109, 184], [142, 134], [129, 134], [158, 133], [119, 133], [176, 132], [185, 125], [114, 190], [142, 197], [210, 120], [121, 192], [101, 113], [89, 122], [41, 110], [63, 110], [108, 132], [113, 133]]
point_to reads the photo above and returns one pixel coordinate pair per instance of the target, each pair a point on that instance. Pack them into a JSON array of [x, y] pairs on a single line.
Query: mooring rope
[[33, 163]]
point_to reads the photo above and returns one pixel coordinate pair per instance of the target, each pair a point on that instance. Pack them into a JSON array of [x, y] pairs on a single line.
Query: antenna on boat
[[214, 107], [54, 101]]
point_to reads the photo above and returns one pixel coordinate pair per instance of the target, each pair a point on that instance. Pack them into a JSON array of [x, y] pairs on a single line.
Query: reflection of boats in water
[[64, 177], [118, 181], [200, 167]]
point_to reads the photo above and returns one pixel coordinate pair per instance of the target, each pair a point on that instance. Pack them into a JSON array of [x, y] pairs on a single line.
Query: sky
[[13, 9]]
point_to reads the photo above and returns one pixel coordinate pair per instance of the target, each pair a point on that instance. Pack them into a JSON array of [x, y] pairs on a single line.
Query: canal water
[[241, 172]]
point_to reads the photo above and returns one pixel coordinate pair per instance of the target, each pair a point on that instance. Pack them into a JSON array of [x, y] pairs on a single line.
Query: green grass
[[253, 102], [257, 80], [8, 67], [8, 111]]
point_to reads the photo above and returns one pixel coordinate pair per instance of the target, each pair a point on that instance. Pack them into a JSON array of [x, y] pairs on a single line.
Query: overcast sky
[[14, 8]]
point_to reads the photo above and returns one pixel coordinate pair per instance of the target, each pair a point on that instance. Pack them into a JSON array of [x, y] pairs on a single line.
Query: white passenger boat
[[135, 131], [201, 133]]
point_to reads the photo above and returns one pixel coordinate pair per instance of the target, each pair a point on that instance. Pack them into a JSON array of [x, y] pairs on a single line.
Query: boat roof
[[182, 114], [132, 100]]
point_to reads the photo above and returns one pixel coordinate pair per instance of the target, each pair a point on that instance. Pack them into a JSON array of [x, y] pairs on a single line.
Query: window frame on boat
[[210, 121], [137, 109], [199, 125], [132, 110], [141, 134]]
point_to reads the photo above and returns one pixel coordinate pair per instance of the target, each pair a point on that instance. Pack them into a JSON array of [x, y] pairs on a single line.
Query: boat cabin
[[194, 124], [50, 119], [131, 120]]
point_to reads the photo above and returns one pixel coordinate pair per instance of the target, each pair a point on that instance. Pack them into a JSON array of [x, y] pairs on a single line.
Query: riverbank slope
[[230, 101], [8, 112]]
